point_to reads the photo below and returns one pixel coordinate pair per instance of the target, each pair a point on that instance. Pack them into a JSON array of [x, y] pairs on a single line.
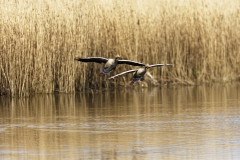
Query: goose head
[[147, 66], [117, 57]]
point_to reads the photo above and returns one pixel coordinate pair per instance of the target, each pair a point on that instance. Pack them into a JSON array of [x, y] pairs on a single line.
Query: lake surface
[[190, 122]]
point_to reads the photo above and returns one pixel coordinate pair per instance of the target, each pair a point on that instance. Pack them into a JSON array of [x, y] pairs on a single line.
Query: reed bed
[[39, 40]]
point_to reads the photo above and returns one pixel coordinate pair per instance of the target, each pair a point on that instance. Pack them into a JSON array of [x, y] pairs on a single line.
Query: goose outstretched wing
[[157, 65], [129, 71], [133, 63], [92, 59]]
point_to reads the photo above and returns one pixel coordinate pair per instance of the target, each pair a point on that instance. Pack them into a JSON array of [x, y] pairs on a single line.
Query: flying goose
[[140, 72], [110, 64]]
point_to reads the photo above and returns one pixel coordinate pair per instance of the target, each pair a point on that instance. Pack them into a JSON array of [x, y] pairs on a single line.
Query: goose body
[[139, 73], [110, 64]]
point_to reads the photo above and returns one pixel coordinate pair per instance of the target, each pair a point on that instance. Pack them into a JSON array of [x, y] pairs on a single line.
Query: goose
[[110, 64], [140, 72]]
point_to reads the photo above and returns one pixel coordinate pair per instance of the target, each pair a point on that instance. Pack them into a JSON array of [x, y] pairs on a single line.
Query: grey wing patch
[[129, 71]]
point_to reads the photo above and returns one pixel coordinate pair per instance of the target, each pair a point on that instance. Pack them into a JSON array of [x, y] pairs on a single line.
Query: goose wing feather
[[133, 63], [92, 59], [129, 71], [157, 65]]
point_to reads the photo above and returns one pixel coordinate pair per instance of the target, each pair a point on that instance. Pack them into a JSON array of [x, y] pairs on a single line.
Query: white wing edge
[[157, 65], [129, 71]]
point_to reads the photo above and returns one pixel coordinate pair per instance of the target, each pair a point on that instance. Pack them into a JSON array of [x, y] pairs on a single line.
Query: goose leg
[[132, 82], [101, 74]]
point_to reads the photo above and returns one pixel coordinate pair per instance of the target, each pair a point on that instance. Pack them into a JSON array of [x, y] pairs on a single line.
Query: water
[[194, 122]]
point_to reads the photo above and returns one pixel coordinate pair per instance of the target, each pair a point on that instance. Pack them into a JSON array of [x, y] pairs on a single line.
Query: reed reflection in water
[[153, 123]]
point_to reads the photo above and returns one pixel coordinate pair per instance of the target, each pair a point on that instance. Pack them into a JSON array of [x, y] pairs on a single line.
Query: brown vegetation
[[39, 40]]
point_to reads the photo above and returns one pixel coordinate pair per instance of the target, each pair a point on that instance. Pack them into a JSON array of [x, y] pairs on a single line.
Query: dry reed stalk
[[39, 40]]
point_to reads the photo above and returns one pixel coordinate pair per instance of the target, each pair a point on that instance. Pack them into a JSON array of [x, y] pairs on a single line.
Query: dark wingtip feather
[[129, 62]]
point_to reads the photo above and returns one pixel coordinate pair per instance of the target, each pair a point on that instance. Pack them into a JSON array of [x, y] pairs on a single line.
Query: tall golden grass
[[39, 40]]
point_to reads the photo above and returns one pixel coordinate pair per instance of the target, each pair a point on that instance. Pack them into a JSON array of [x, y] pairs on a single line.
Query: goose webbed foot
[[132, 82]]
